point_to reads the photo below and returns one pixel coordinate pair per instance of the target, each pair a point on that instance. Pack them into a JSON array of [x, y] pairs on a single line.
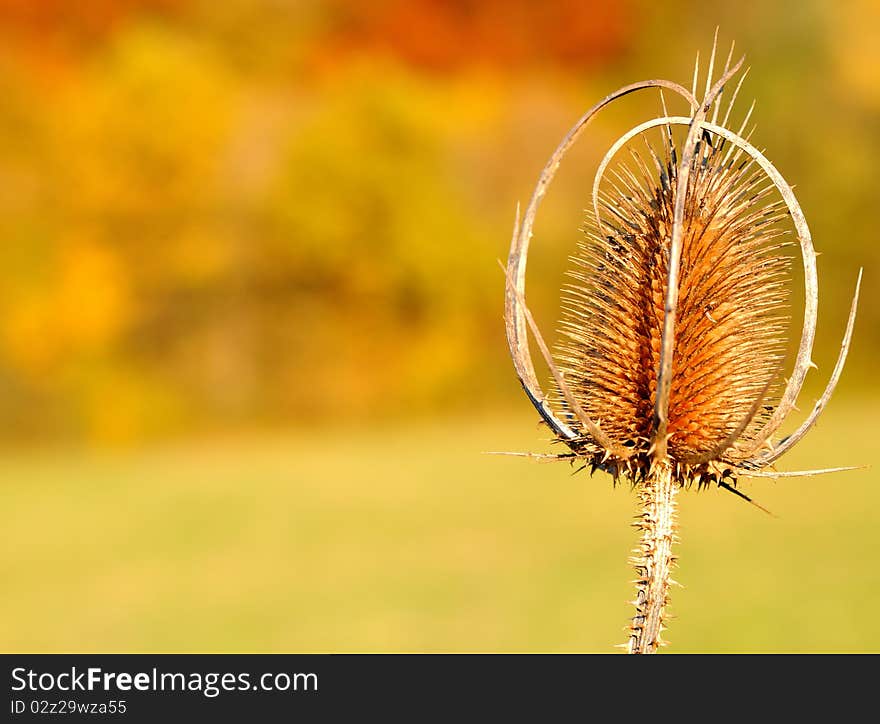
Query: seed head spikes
[[674, 322]]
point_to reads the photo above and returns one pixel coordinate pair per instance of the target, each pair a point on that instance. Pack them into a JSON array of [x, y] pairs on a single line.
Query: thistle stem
[[653, 558]]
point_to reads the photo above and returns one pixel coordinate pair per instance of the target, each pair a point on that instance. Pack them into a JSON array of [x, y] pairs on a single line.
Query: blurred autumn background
[[251, 339]]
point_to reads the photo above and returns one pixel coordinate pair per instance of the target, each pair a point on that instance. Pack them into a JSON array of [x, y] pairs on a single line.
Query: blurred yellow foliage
[[855, 44], [85, 304], [92, 299], [30, 342]]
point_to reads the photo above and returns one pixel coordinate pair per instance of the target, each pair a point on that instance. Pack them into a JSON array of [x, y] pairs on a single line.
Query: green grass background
[[410, 539]]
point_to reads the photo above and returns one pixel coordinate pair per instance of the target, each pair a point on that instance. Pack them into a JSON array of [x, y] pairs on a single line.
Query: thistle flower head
[[674, 322]]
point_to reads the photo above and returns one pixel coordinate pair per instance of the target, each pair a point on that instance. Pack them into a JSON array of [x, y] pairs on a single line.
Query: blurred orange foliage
[[449, 35], [71, 18]]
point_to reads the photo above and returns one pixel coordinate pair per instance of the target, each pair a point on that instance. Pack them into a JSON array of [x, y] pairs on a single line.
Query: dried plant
[[674, 324]]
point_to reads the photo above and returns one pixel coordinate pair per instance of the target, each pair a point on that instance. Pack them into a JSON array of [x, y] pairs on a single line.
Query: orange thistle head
[[674, 324]]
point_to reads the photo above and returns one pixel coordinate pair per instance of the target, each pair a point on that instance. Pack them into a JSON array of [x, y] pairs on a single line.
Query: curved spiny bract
[[515, 316]]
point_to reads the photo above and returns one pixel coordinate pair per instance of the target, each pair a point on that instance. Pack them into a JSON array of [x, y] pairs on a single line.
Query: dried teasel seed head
[[674, 323], [731, 320]]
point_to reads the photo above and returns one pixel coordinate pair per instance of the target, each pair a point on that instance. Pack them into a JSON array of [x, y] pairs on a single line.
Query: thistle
[[674, 323]]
